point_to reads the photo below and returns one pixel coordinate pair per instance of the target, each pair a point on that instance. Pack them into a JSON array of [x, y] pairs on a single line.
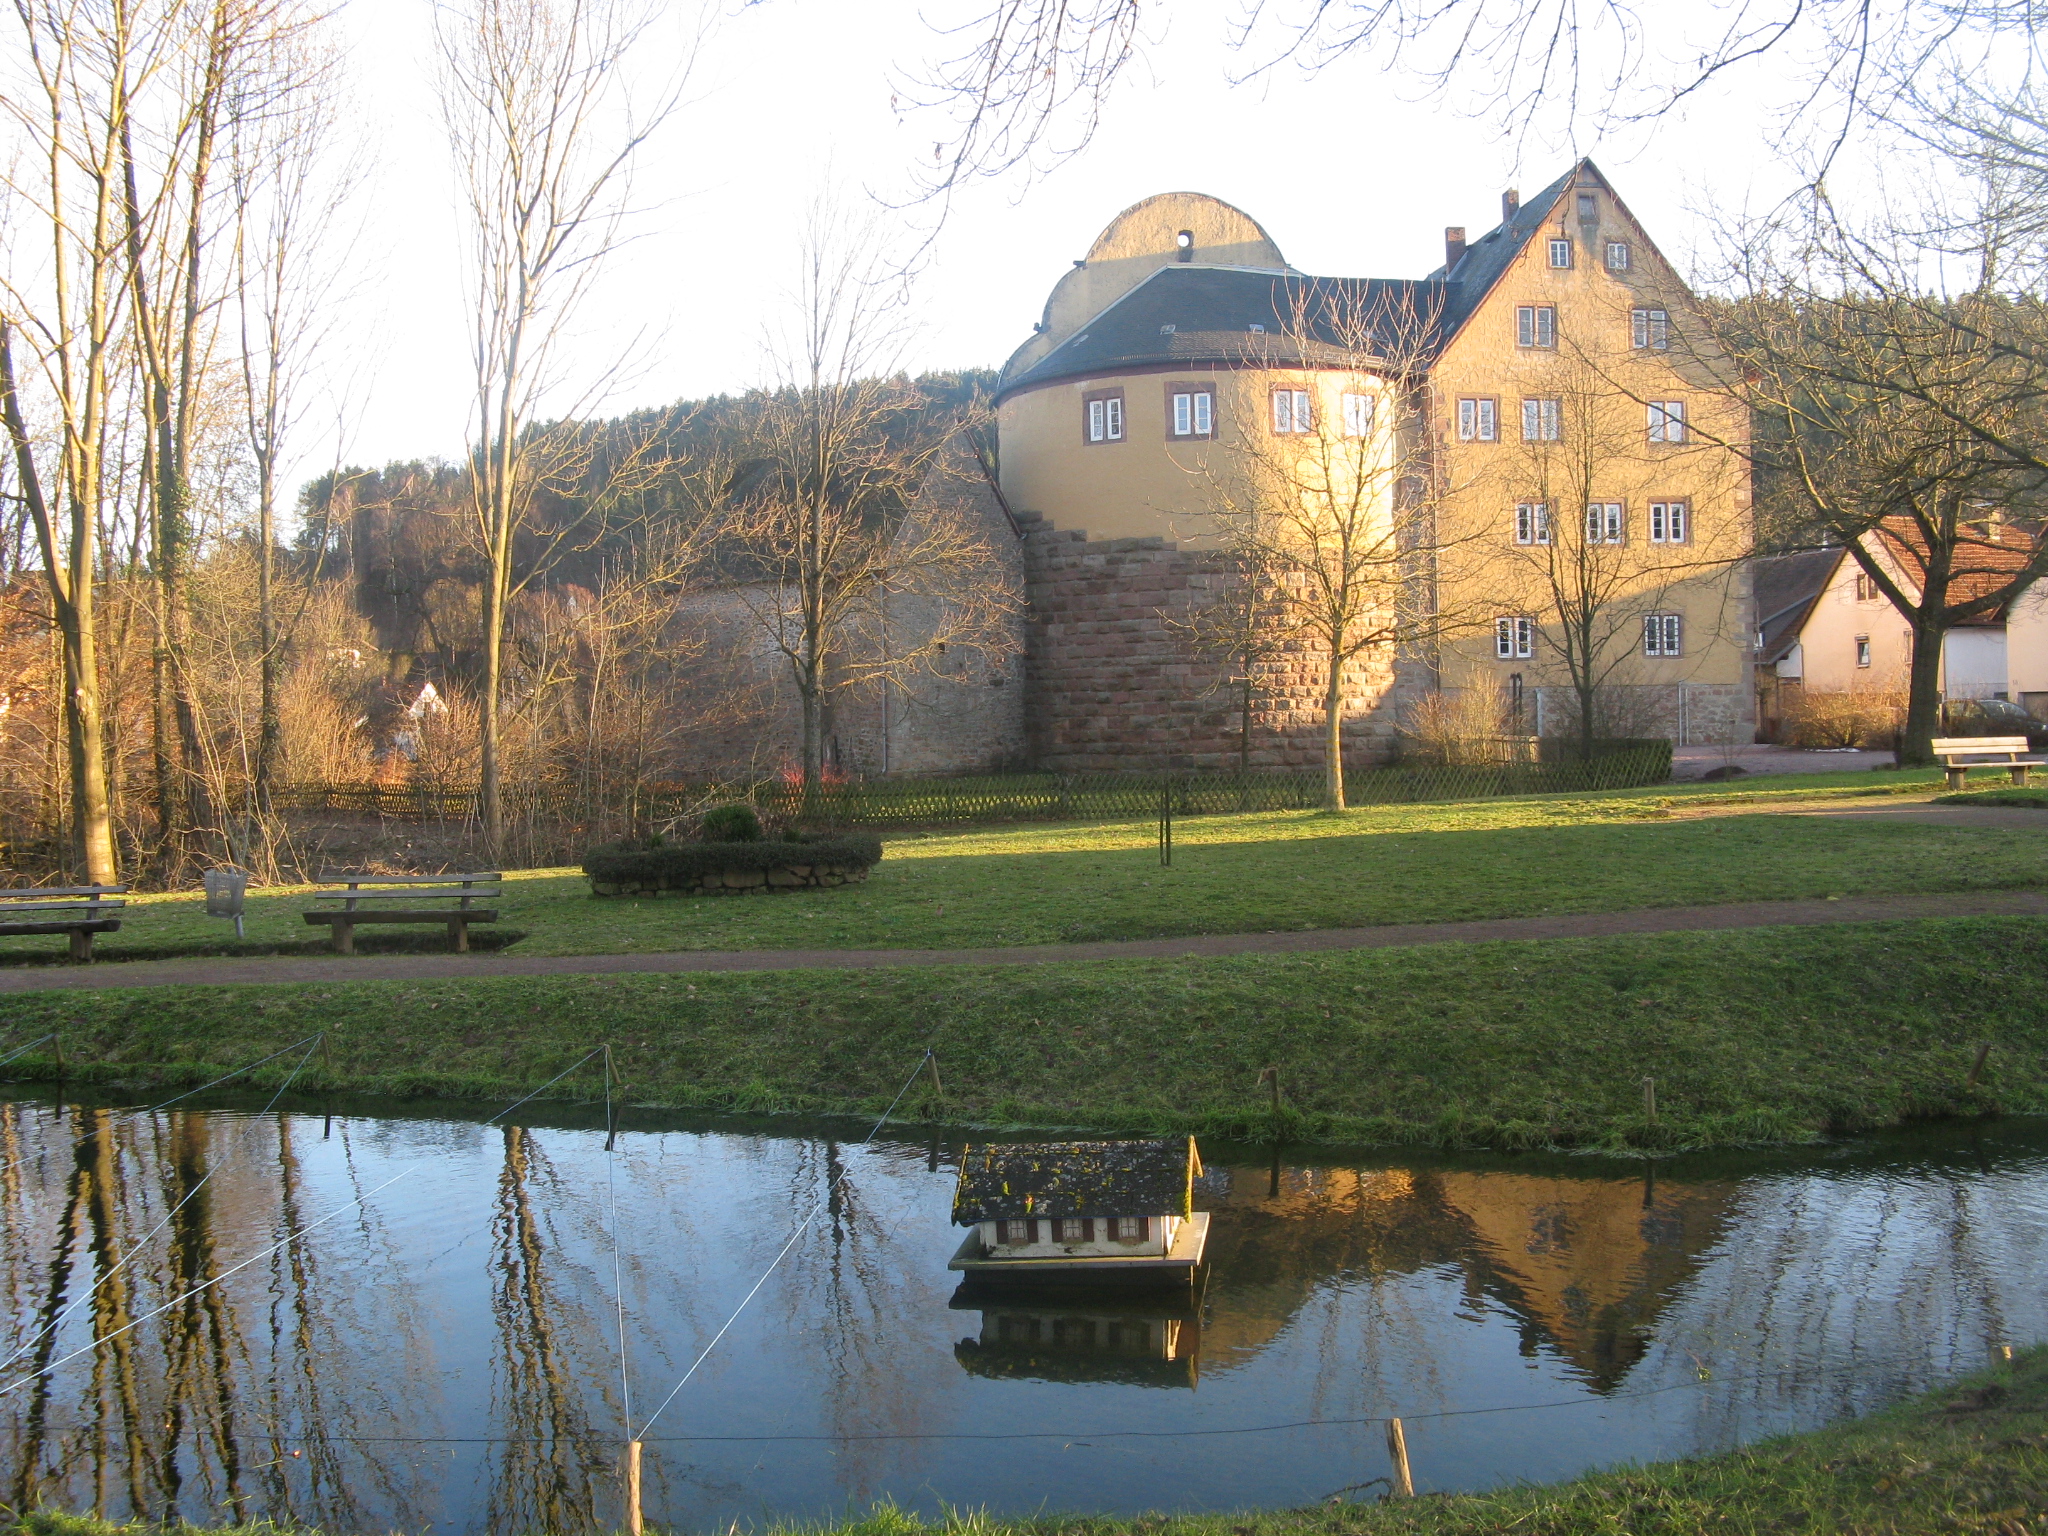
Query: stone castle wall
[[1116, 681]]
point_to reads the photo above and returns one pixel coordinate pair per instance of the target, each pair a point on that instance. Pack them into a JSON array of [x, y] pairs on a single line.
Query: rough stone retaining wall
[[735, 882], [1114, 680]]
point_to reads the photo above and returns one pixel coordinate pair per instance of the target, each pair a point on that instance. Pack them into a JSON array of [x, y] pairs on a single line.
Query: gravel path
[[1749, 914]]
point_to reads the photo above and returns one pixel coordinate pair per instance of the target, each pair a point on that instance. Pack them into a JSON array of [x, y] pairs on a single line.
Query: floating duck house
[[1116, 1212]]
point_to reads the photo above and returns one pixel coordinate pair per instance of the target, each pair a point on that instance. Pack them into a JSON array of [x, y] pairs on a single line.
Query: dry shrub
[[1454, 726], [1861, 718]]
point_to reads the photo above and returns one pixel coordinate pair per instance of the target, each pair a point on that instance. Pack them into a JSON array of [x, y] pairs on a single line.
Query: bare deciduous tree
[[1031, 84], [545, 128], [1337, 496], [846, 502], [1900, 390]]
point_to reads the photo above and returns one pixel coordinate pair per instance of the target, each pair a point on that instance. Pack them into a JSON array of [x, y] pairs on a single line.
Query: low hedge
[[632, 869]]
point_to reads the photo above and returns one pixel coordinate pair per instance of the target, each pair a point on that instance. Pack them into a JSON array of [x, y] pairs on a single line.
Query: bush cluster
[[683, 864]]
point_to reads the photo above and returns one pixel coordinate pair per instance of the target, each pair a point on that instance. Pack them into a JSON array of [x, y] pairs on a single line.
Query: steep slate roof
[[1786, 589], [1076, 1178], [1486, 258], [1194, 314], [1189, 314]]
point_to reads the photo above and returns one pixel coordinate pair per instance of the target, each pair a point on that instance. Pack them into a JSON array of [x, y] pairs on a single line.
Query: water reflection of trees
[[552, 1360], [200, 1393]]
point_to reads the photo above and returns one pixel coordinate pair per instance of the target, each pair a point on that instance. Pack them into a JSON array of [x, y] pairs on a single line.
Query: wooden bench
[[354, 890], [2007, 752], [87, 904]]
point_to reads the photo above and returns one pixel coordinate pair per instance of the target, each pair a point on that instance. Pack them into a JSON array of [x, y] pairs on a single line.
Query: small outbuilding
[[1112, 1211]]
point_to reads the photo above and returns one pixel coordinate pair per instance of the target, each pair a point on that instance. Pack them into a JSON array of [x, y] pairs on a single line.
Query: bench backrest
[[46, 892], [343, 877], [1966, 745]]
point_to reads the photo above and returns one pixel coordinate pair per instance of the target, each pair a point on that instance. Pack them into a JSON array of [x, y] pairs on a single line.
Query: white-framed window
[[1667, 421], [1072, 1229], [1650, 328], [1360, 412], [1560, 253], [1617, 255], [1663, 634], [1478, 420], [1670, 522], [1532, 522], [1514, 638], [1130, 1229], [1541, 420], [1293, 411], [1536, 325], [1105, 417], [1013, 1231], [1192, 413], [1863, 650], [1606, 522]]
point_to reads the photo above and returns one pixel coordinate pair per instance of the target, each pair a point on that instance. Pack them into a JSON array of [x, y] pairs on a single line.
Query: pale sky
[[793, 98]]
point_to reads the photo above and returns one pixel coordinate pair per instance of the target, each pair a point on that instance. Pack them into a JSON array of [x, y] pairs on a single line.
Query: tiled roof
[[1981, 564], [1076, 1178]]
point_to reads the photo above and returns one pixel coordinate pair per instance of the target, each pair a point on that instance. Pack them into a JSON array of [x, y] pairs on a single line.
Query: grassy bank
[[1235, 874], [1972, 1457], [1765, 1034]]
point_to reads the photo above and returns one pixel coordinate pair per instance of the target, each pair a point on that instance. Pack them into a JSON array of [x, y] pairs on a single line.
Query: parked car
[[1992, 717]]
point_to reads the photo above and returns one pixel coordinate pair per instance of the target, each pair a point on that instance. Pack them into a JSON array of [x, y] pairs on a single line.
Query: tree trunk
[[490, 807], [1923, 697], [1333, 736], [269, 726], [92, 825]]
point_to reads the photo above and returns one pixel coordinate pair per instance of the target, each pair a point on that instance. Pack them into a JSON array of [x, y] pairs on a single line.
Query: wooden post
[[1977, 1066], [57, 1049], [1397, 1453], [931, 1061], [611, 1136], [1650, 1099], [633, 1488], [1166, 821]]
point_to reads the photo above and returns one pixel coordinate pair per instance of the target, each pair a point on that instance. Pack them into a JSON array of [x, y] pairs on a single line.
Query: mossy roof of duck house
[[1076, 1178]]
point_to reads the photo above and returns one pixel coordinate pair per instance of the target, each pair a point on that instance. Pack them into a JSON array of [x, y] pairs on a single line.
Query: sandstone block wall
[[1115, 681]]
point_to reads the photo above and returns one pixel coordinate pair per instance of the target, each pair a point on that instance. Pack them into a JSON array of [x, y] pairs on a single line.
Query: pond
[[440, 1345]]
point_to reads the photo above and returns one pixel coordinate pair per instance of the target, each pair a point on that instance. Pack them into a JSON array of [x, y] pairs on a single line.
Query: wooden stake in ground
[[1650, 1099], [633, 1488], [1397, 1453], [931, 1061], [1977, 1066]]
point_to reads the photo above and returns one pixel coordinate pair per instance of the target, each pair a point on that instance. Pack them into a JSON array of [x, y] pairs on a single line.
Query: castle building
[[1542, 405]]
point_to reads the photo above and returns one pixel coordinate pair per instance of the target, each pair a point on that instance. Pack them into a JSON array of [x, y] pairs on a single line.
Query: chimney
[[1454, 248], [1510, 202]]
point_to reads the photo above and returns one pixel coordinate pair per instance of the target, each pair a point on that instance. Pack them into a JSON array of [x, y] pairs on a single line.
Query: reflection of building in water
[[1140, 1341], [1587, 1264]]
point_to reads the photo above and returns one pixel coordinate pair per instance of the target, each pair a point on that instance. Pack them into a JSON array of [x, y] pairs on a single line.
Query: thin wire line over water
[[781, 1253], [288, 1239]]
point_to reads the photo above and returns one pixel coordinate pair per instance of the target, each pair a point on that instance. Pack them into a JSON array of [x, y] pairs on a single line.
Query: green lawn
[[1751, 1035], [1291, 870]]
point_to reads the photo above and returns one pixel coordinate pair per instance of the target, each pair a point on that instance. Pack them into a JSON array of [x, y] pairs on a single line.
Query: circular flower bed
[[642, 869]]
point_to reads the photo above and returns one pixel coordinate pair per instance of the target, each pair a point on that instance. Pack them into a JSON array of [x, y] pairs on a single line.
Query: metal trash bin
[[226, 888]]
